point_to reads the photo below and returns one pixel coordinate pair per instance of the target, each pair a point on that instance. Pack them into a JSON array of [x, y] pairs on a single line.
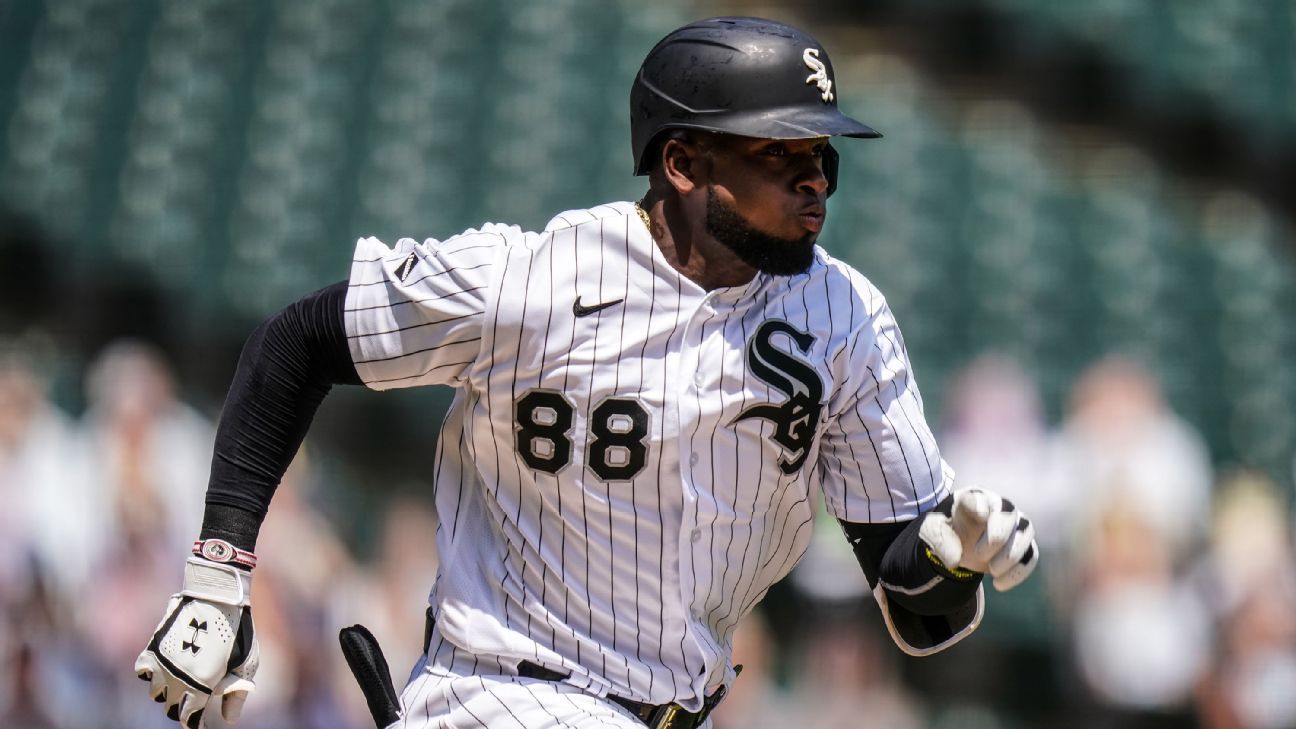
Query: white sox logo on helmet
[[820, 76]]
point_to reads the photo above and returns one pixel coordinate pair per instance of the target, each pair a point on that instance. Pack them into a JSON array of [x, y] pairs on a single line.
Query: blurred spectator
[[1250, 575], [1121, 444], [38, 526], [148, 453], [1137, 480], [1250, 542]]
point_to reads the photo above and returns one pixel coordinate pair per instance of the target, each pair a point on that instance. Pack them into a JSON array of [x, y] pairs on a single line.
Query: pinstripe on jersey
[[613, 496]]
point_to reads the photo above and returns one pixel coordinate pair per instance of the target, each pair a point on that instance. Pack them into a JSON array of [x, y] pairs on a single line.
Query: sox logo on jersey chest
[[796, 419]]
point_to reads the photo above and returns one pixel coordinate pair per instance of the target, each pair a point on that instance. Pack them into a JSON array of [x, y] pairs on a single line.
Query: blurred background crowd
[[1081, 214]]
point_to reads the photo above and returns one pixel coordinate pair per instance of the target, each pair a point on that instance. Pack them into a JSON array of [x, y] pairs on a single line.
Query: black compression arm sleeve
[[288, 365]]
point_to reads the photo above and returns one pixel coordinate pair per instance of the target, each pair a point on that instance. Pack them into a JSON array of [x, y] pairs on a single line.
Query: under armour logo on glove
[[191, 645], [985, 533]]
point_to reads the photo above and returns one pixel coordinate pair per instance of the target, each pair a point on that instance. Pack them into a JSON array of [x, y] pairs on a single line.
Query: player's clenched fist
[[204, 654], [979, 531]]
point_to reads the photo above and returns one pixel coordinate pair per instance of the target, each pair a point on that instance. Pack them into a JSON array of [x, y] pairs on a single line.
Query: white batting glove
[[204, 654], [983, 533]]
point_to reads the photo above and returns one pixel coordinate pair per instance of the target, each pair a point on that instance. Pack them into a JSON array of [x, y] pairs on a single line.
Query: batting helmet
[[746, 76]]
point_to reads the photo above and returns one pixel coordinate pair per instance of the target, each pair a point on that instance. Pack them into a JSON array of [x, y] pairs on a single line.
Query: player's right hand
[[204, 654]]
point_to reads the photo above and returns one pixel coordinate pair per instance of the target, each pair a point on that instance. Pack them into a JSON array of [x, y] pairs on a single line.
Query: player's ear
[[680, 158]]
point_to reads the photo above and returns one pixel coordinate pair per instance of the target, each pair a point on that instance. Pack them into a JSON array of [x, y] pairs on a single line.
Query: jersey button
[[695, 536], [693, 459], [697, 378]]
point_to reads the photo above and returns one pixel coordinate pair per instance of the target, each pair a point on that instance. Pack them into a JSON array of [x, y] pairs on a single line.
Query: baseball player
[[648, 396]]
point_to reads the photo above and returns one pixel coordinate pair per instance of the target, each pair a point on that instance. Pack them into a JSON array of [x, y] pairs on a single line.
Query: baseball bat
[[365, 658]]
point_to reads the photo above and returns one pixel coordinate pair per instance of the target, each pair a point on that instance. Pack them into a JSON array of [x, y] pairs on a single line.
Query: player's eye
[[776, 150]]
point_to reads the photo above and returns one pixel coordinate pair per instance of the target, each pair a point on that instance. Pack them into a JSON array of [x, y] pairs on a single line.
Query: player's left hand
[[983, 532], [204, 654]]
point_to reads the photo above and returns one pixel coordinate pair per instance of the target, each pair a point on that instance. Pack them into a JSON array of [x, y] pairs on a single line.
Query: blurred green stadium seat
[[1238, 53]]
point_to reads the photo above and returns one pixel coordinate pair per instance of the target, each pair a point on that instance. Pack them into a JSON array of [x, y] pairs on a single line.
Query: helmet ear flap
[[831, 161]]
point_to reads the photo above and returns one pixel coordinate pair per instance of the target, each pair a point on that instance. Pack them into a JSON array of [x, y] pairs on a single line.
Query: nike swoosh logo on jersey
[[579, 310]]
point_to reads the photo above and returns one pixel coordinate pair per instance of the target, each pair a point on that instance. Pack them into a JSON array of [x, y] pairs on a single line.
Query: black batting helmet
[[746, 76]]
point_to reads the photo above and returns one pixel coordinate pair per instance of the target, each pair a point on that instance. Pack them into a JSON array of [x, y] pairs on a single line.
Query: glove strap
[[215, 582], [219, 550]]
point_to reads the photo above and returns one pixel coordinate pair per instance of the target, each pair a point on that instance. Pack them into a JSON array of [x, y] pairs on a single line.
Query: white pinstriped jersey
[[629, 461]]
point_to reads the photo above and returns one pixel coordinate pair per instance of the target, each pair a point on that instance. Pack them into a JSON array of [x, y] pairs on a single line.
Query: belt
[[655, 716]]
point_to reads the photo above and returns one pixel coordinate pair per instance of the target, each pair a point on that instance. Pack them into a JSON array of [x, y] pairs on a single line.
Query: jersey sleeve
[[879, 462], [414, 312]]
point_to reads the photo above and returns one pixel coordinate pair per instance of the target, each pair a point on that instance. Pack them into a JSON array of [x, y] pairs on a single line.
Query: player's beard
[[762, 251]]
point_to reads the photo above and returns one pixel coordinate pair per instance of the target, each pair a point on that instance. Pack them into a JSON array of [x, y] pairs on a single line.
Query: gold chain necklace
[[643, 215]]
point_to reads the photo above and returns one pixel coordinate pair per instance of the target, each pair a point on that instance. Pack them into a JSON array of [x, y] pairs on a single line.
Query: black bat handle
[[365, 658]]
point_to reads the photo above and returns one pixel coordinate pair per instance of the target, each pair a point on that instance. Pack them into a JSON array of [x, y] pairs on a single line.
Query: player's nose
[[811, 177]]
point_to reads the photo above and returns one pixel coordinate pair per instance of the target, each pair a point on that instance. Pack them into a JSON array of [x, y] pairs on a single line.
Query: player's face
[[766, 201]]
